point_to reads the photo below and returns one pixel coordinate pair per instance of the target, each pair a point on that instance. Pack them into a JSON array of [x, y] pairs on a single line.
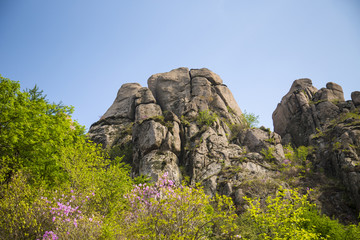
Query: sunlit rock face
[[187, 123], [324, 120]]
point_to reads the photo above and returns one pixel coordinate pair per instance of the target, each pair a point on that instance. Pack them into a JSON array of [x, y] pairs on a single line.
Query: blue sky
[[81, 51]]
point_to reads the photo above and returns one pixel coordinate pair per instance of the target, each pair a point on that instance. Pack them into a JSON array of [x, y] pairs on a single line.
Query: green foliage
[[19, 216], [159, 118], [30, 215], [317, 102], [282, 217], [251, 120], [289, 215], [206, 118], [336, 146], [328, 228], [32, 130], [296, 166], [142, 179], [49, 168], [289, 152], [301, 153], [125, 151], [40, 141], [164, 211], [268, 153], [89, 169], [353, 116], [184, 121], [235, 129], [270, 140]]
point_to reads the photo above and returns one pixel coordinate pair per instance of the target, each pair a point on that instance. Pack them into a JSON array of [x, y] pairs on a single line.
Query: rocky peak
[[187, 123], [304, 110], [323, 120]]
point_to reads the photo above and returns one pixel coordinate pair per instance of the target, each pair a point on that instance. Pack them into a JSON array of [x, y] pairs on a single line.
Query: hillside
[[187, 123]]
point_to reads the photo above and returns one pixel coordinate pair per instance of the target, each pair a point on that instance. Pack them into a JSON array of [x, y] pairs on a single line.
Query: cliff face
[[187, 123], [324, 120]]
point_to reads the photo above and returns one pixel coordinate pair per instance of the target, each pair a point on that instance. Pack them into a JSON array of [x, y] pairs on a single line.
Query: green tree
[[44, 154], [31, 132]]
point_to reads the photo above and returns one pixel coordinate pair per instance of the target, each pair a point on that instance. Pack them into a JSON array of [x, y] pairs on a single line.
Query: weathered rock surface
[[324, 120], [187, 123], [355, 97], [183, 124]]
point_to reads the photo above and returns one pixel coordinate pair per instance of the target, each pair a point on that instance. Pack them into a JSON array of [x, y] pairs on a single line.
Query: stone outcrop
[[324, 120], [186, 122]]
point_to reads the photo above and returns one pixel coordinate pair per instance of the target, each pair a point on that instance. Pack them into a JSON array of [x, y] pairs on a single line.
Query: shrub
[[206, 118], [251, 120], [90, 169], [30, 213], [19, 218], [290, 215], [71, 216], [282, 217], [164, 211], [268, 153]]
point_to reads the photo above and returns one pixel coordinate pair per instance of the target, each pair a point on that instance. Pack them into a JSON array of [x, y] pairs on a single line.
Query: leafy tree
[[31, 132], [44, 154]]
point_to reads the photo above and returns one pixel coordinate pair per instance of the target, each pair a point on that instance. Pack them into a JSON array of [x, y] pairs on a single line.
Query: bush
[[30, 213], [20, 212], [206, 118], [268, 153], [70, 215], [251, 120], [89, 168], [290, 215], [164, 211]]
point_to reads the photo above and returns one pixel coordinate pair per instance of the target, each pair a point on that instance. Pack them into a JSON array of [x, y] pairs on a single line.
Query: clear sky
[[81, 51]]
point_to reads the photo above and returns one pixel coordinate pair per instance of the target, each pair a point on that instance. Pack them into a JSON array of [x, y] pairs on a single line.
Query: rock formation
[[324, 120], [187, 123]]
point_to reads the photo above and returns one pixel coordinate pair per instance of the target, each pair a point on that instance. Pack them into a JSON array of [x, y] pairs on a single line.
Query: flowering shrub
[[71, 216], [165, 211], [26, 215]]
